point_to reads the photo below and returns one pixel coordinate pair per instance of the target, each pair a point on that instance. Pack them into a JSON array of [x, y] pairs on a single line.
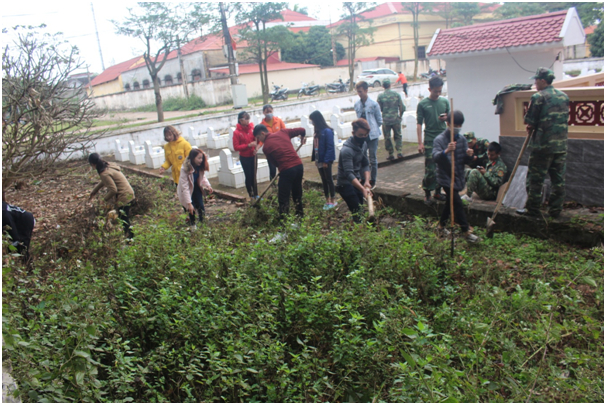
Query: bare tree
[[151, 23], [357, 36], [42, 117], [415, 9]]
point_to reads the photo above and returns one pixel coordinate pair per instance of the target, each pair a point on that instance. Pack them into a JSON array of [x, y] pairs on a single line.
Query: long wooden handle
[[452, 165], [513, 173], [371, 206]]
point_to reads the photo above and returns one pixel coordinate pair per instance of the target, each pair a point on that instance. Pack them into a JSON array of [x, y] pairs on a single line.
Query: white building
[[483, 58]]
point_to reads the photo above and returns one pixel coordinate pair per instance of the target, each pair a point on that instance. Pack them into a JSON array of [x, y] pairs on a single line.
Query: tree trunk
[[158, 98], [183, 75], [263, 84], [416, 39]]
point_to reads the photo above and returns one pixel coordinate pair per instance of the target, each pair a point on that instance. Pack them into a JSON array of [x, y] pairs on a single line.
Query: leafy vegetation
[[176, 104], [336, 312], [313, 47], [596, 41]]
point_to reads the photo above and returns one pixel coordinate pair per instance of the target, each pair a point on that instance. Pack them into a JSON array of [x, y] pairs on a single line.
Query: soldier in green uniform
[[432, 111], [485, 181], [392, 109], [480, 149], [548, 115]]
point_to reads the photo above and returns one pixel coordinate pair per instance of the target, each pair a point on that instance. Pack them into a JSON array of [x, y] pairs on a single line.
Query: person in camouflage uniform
[[480, 149], [392, 109], [547, 117], [432, 111], [485, 181]]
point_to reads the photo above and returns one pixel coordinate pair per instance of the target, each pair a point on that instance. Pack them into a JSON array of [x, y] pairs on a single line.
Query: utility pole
[[97, 33], [230, 51], [332, 42]]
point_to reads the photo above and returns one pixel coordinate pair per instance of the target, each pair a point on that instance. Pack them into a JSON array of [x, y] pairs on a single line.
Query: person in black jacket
[[19, 224], [441, 153]]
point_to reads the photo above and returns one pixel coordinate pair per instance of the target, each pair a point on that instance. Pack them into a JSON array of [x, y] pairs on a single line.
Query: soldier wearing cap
[[486, 180], [392, 109], [480, 149], [547, 120]]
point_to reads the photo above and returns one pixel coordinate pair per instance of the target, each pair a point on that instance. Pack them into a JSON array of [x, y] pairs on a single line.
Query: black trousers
[[327, 181], [291, 182], [197, 201], [272, 170], [248, 165], [124, 216], [459, 211], [354, 200], [405, 88]]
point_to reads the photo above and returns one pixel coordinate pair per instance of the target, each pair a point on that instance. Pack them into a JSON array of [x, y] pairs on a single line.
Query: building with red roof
[[110, 80], [394, 36], [483, 58]]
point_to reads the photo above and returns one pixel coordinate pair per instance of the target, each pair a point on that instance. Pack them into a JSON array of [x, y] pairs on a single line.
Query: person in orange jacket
[[175, 152], [273, 124], [402, 79]]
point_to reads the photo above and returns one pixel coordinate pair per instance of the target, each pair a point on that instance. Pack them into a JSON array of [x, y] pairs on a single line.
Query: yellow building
[[394, 35], [110, 80]]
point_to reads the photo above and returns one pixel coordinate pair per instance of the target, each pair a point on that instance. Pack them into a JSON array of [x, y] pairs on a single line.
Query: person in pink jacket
[[191, 183], [245, 143]]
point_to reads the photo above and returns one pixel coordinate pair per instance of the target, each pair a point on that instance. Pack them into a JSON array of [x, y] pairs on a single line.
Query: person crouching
[[191, 183]]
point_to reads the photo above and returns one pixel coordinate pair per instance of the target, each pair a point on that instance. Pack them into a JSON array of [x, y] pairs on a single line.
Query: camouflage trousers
[[539, 165], [397, 137], [430, 181], [476, 183]]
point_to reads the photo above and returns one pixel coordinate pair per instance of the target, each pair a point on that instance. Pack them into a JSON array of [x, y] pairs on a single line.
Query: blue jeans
[[373, 145]]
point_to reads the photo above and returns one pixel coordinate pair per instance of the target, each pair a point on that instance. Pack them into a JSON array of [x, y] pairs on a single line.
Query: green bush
[[176, 104], [336, 312]]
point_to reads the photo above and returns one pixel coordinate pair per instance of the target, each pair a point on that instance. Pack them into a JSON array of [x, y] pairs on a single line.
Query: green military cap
[[386, 81], [469, 135], [544, 73]]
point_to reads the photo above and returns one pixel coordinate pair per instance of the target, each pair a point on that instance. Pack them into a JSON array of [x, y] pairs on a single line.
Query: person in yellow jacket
[[175, 152]]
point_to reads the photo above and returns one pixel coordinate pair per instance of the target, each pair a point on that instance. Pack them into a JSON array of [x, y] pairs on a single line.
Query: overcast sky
[[75, 20]]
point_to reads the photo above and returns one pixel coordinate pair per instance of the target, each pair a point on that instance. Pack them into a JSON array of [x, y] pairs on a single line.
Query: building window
[[421, 52], [127, 87], [196, 75], [136, 86], [146, 84], [168, 80], [179, 78]]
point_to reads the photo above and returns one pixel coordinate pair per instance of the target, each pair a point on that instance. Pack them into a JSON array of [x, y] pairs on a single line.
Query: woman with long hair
[[120, 193], [324, 155], [246, 145], [191, 183]]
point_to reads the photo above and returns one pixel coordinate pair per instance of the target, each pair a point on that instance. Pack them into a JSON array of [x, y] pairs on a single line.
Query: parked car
[[374, 77]]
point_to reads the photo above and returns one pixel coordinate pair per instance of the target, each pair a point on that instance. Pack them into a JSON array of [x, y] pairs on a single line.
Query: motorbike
[[430, 74], [307, 90], [279, 93], [338, 87], [443, 72]]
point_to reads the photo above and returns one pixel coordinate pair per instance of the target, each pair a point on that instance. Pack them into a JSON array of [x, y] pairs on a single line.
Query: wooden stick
[[255, 174], [452, 178], [371, 206]]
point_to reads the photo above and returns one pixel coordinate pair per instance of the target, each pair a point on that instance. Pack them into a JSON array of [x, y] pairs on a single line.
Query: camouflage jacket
[[480, 149], [392, 107], [495, 174], [548, 113]]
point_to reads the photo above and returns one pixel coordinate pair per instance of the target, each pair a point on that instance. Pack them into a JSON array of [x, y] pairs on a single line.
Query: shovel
[[490, 221]]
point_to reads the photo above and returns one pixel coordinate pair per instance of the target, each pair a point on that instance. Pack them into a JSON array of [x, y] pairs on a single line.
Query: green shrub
[[176, 104], [336, 312]]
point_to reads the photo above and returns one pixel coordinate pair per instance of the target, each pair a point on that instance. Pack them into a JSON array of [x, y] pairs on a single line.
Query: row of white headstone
[[229, 170]]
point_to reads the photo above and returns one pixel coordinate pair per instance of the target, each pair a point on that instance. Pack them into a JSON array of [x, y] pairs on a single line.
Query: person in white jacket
[[191, 183]]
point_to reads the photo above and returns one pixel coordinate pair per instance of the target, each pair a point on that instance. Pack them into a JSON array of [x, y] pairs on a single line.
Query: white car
[[374, 77]]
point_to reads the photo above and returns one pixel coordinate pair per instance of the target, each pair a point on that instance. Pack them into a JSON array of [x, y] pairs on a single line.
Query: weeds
[[335, 312]]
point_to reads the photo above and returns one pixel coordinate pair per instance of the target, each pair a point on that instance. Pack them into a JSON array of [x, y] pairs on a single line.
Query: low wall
[[212, 91], [584, 65]]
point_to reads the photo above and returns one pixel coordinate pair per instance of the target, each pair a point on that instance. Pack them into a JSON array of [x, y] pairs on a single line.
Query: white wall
[[474, 81], [171, 67], [584, 65]]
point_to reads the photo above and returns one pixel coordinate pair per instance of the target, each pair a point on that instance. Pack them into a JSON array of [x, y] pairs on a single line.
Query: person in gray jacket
[[369, 109], [442, 148], [353, 177]]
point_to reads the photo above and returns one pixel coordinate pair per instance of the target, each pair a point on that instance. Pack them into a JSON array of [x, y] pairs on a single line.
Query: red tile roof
[[113, 72], [524, 31], [345, 62], [254, 68], [590, 29], [389, 8], [292, 16]]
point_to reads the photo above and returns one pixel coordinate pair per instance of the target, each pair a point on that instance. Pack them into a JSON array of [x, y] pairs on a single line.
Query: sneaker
[[467, 198], [429, 202], [391, 157], [439, 197], [471, 238], [527, 213], [334, 205], [443, 231], [327, 206], [400, 156]]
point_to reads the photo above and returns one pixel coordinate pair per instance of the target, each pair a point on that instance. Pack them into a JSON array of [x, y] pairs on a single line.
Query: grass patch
[[335, 312], [175, 104]]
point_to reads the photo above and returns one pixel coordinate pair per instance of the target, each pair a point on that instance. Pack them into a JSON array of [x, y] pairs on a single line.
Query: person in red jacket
[[280, 152], [402, 79], [246, 145]]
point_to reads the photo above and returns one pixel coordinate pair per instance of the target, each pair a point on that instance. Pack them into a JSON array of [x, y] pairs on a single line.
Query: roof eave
[[523, 48]]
